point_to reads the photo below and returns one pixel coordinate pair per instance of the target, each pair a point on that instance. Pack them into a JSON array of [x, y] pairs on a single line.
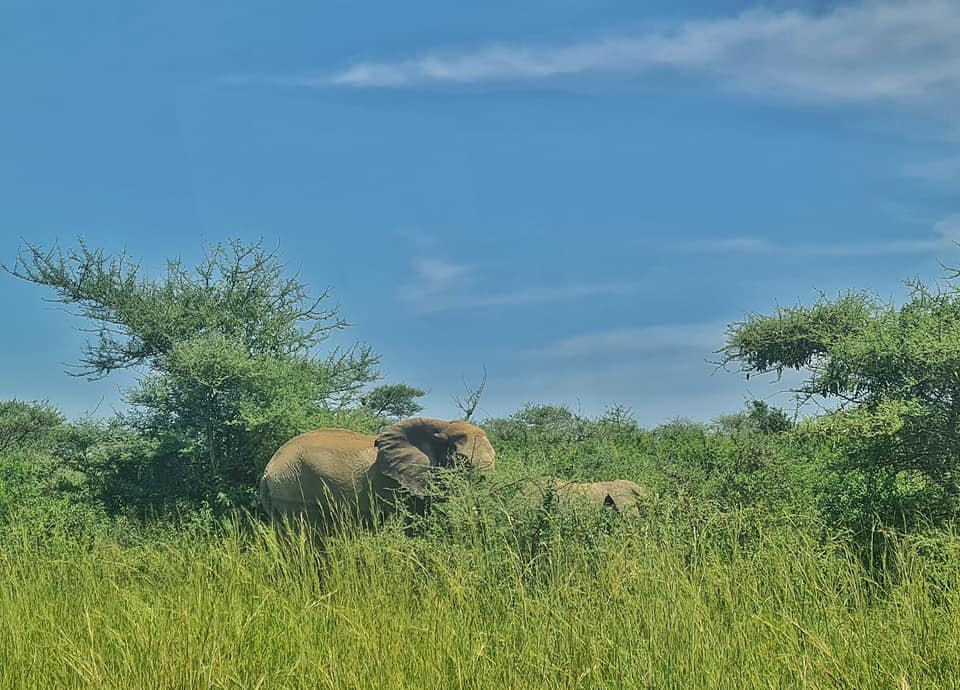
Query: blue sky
[[577, 195]]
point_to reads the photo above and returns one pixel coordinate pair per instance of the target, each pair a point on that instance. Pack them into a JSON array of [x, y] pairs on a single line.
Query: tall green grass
[[492, 602]]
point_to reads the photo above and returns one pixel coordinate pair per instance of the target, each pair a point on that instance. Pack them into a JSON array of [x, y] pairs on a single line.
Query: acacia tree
[[893, 374], [393, 401], [22, 423], [226, 356]]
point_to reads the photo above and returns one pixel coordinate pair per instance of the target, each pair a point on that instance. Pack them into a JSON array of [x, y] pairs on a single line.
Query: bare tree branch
[[468, 404]]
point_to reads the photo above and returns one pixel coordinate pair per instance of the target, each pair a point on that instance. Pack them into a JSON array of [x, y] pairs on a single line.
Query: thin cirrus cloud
[[440, 285], [946, 233], [436, 302], [873, 50], [525, 296], [707, 336], [938, 170], [755, 245]]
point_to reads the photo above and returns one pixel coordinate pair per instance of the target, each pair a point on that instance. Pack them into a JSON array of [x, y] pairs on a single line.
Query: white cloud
[[703, 336], [874, 50], [434, 275], [432, 278], [948, 228]]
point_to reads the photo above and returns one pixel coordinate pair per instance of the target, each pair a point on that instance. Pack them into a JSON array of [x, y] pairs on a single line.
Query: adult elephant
[[333, 475], [621, 495]]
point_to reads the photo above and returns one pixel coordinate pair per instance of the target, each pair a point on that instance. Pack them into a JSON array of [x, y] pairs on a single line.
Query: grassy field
[[487, 603]]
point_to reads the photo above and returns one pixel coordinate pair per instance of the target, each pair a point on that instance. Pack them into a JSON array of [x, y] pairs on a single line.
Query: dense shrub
[[891, 447], [741, 460]]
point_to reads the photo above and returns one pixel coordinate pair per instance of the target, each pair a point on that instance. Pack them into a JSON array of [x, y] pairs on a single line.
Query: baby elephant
[[622, 495]]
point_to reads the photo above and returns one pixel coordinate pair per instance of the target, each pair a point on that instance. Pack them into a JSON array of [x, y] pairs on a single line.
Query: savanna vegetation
[[774, 550]]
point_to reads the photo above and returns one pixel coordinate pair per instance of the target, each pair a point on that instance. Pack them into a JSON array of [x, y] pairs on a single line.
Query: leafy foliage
[[44, 474], [756, 464], [759, 417], [24, 424], [395, 401], [238, 291], [895, 374]]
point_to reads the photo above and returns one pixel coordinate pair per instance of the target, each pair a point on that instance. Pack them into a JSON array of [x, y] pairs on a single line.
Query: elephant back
[[317, 468], [621, 495]]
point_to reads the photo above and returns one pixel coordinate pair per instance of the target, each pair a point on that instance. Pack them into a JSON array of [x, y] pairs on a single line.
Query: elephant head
[[410, 452]]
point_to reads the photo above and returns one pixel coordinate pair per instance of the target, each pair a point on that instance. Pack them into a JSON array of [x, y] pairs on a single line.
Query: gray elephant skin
[[621, 495], [332, 476]]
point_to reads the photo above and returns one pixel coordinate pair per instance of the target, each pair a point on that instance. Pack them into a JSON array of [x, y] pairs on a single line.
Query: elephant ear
[[406, 454], [610, 502]]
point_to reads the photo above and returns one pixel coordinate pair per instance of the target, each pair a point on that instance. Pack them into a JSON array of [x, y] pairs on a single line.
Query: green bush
[[743, 460], [890, 450], [43, 472]]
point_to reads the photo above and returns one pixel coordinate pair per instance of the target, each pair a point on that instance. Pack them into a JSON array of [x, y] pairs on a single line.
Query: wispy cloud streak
[[946, 234], [874, 50], [522, 296], [939, 170], [703, 336], [439, 284]]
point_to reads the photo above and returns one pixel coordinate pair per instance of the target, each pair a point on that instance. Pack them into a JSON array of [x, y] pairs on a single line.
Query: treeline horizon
[[232, 361]]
